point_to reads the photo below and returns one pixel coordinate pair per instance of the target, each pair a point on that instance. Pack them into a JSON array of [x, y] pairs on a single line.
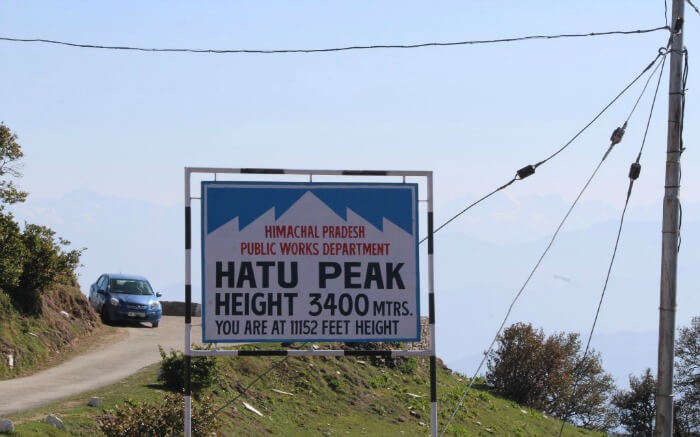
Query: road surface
[[136, 349]]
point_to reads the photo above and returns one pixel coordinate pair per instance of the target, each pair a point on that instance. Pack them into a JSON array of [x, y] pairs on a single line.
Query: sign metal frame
[[189, 352]]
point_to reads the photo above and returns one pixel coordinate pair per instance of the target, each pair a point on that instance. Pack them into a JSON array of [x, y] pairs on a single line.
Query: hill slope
[[40, 340], [324, 396]]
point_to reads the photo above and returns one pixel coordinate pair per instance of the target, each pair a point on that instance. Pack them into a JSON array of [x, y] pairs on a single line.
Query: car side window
[[102, 284]]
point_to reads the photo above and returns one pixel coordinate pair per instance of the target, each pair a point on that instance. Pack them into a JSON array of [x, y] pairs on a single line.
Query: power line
[[530, 169], [635, 170], [333, 49], [527, 281], [615, 139]]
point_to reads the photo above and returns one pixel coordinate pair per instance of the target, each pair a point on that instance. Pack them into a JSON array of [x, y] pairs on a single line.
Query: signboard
[[309, 262]]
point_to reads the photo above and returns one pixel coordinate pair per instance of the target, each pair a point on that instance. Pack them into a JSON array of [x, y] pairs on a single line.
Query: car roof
[[125, 276]]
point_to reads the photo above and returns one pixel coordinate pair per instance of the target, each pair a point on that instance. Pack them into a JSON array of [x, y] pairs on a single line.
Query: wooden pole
[[670, 230]]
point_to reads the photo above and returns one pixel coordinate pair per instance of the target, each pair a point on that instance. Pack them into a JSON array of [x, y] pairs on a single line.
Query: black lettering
[[265, 271], [245, 273], [222, 303], [324, 274], [258, 304], [374, 274], [295, 275], [349, 274], [393, 274], [220, 274], [235, 303], [273, 302], [290, 302]]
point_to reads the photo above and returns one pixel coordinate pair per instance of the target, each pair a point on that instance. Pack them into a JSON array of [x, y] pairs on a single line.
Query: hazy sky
[[122, 125]]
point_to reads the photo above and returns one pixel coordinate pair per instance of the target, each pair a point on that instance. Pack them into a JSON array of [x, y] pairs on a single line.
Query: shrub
[[162, 418], [203, 371], [31, 261], [540, 372]]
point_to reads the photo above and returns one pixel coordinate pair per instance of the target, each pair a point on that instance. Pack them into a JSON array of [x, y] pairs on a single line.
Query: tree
[[549, 374], [10, 154], [686, 382], [636, 407], [31, 259]]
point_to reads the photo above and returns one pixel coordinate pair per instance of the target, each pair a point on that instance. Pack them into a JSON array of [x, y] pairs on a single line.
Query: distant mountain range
[[481, 259]]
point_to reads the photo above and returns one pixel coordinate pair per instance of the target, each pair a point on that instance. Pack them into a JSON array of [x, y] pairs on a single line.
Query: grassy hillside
[[39, 340], [329, 396]]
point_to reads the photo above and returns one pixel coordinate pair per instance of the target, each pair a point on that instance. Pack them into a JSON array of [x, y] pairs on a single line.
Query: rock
[[65, 314], [414, 413], [6, 426], [421, 423], [523, 411], [414, 395], [489, 430], [314, 347], [11, 361], [54, 420], [478, 423], [95, 402], [251, 408]]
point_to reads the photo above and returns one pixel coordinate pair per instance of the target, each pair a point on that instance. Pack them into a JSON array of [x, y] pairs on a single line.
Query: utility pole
[[670, 230]]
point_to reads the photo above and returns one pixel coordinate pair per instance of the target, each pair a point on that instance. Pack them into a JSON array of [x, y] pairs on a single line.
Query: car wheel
[[155, 324], [104, 314]]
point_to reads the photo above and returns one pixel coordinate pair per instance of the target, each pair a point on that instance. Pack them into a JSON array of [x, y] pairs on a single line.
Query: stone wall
[[171, 308], [424, 336]]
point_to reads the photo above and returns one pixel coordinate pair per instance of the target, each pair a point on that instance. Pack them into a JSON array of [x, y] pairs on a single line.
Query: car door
[[100, 290], [92, 297]]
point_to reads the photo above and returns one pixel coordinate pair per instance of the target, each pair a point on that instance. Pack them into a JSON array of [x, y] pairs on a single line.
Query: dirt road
[[136, 349]]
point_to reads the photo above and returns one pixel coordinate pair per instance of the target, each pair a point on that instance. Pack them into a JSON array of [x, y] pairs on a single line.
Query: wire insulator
[[635, 170], [617, 134], [526, 171]]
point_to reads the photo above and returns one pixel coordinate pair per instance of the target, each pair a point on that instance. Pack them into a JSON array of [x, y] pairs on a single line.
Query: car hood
[[142, 299]]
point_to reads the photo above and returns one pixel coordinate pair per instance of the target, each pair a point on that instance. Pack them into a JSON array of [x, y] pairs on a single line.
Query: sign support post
[[382, 217]]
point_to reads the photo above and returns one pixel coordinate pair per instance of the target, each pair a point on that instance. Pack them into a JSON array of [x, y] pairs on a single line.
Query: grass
[[39, 341], [331, 396]]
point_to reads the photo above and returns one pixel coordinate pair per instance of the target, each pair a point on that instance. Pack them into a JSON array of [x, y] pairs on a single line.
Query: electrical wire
[[682, 147], [527, 281], [561, 149], [693, 6], [582, 361], [333, 49]]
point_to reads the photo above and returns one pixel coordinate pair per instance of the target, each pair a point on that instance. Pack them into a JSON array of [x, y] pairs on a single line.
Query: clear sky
[[122, 125]]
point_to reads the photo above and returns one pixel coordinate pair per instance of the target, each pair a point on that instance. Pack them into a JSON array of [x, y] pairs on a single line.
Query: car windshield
[[130, 286]]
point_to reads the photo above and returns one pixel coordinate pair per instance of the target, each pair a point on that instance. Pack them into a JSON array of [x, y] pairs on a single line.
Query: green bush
[[204, 371], [11, 252], [31, 260], [163, 418]]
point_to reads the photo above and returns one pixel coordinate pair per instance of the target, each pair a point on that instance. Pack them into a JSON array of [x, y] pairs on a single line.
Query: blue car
[[129, 298]]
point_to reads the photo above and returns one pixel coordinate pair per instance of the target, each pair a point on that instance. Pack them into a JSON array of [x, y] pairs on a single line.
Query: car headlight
[[154, 304], [114, 301]]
